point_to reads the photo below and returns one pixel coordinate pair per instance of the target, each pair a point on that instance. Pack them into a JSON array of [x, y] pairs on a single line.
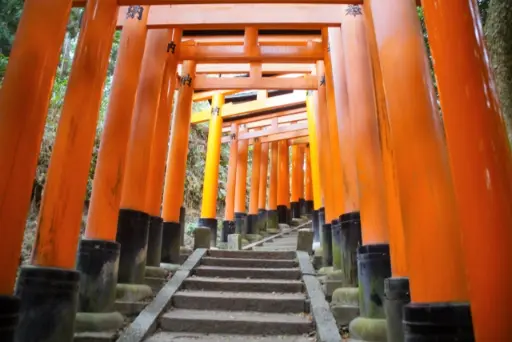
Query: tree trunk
[[498, 32]]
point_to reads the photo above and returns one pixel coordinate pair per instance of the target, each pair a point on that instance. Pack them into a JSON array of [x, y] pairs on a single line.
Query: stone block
[[202, 237], [368, 329], [235, 242], [346, 296], [185, 250], [283, 226], [156, 272], [98, 321], [329, 286], [344, 314], [253, 237], [305, 240], [169, 267], [133, 292]]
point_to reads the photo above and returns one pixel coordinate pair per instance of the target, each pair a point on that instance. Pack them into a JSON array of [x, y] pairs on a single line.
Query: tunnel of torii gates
[[424, 200]]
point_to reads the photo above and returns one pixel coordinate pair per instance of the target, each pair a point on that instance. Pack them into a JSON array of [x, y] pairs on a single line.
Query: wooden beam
[[206, 95], [310, 53], [265, 134], [233, 110], [246, 83], [268, 122], [266, 68], [239, 16], [268, 116], [299, 141], [285, 136], [263, 39]]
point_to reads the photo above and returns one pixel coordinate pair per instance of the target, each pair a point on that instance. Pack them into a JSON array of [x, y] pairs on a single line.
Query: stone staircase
[[259, 295]]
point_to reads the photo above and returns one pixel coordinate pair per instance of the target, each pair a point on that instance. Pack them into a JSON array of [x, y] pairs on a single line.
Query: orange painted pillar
[[101, 228], [133, 223], [429, 212], [174, 185], [228, 226], [283, 182], [262, 184], [335, 161], [55, 247], [252, 217], [241, 186], [211, 170], [481, 161], [308, 184], [272, 221], [300, 177], [31, 70], [295, 195], [344, 124], [318, 217], [159, 148]]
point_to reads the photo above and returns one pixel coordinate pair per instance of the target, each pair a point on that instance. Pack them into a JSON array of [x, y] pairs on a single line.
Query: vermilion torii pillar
[[176, 166], [49, 288], [228, 226], [308, 183], [252, 217], [300, 179], [283, 183], [262, 192], [272, 216], [159, 148], [241, 187], [480, 161], [133, 223], [211, 170], [295, 195], [437, 280], [27, 73], [99, 246]]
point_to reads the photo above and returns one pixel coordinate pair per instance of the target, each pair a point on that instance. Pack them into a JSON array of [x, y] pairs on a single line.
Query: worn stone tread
[[270, 248], [246, 262], [235, 322], [193, 337], [241, 301], [243, 284], [248, 272], [251, 254], [105, 336]]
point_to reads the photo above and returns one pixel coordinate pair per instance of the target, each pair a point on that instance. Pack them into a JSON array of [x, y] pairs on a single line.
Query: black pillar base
[[262, 220], [252, 224], [396, 295], [272, 219], [438, 322], [295, 209], [228, 227], [282, 214], [155, 241], [49, 301], [309, 207], [183, 213], [326, 245], [315, 226], [350, 240], [241, 223], [212, 224], [9, 314], [289, 216], [321, 217], [336, 244], [171, 243], [373, 265], [302, 206], [97, 262], [132, 234]]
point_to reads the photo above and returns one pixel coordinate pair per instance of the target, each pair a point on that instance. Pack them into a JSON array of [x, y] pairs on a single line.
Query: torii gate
[[376, 124]]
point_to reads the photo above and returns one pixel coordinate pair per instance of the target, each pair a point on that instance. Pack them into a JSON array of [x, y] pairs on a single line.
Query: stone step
[[271, 247], [246, 285], [243, 262], [241, 301], [243, 272], [234, 322], [252, 254], [194, 337]]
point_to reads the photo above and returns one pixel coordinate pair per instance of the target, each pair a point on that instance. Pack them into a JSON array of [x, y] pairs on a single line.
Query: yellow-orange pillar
[[229, 214], [63, 198], [176, 165], [133, 223], [262, 184], [308, 184], [159, 148], [344, 125], [272, 220], [252, 218], [110, 166], [318, 199], [31, 70], [300, 176], [481, 161], [335, 160], [429, 212], [283, 182], [295, 195], [211, 170], [241, 186]]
